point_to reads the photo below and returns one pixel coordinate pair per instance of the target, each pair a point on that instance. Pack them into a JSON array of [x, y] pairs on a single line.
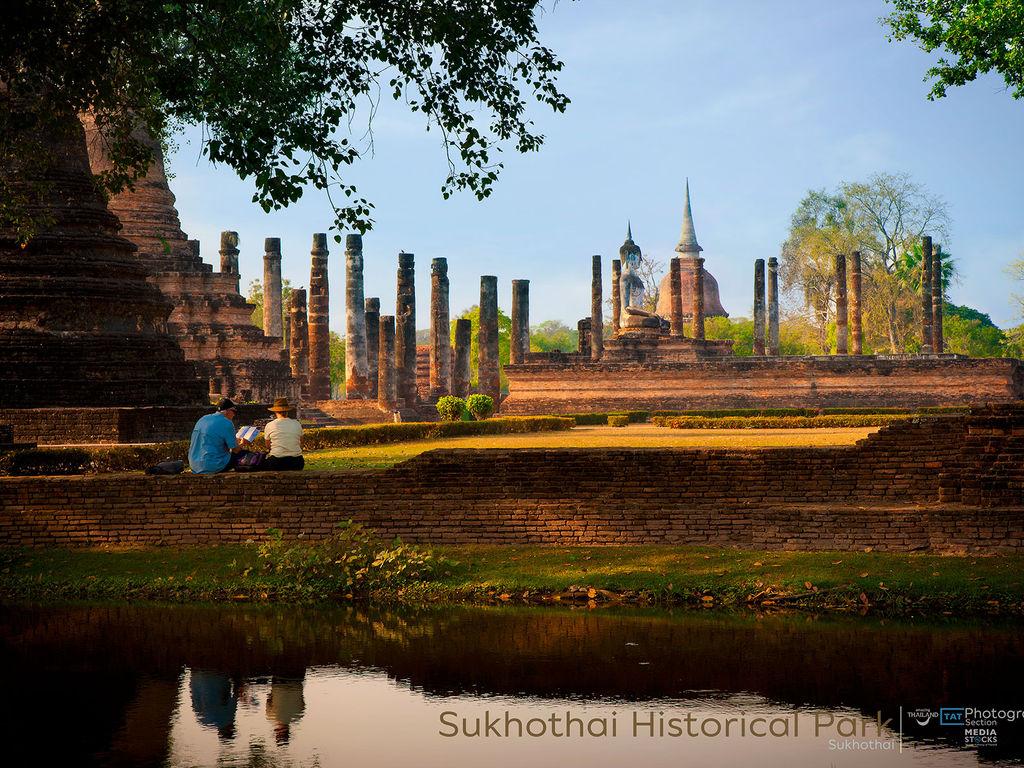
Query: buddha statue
[[631, 287]]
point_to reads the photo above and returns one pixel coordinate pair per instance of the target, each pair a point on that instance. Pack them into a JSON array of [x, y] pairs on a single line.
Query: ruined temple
[[82, 332], [210, 318]]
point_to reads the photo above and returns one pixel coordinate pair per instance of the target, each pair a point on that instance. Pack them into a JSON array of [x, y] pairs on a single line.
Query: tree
[[967, 331], [504, 342], [255, 298], [976, 36], [336, 347], [884, 218], [553, 336], [1014, 345], [285, 90], [820, 229], [650, 271]]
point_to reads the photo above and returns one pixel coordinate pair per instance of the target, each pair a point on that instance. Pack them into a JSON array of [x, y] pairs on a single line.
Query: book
[[248, 433]]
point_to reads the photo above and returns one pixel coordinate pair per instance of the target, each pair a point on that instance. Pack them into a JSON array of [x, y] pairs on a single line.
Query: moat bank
[[877, 582]]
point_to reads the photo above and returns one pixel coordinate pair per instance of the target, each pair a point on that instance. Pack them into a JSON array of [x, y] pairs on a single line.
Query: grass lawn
[[633, 436], [655, 573]]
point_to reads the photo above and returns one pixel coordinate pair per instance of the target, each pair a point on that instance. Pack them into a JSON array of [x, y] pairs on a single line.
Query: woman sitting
[[284, 439]]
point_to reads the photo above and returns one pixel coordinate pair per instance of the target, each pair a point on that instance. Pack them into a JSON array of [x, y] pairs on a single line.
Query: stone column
[[298, 337], [462, 372], [596, 311], [616, 296], [229, 255], [772, 342], [759, 307], [698, 299], [676, 286], [319, 333], [387, 380], [488, 373], [372, 313], [520, 345], [272, 321], [583, 336], [357, 384], [405, 330], [842, 332], [926, 295], [229, 252], [938, 343], [856, 331], [440, 330]]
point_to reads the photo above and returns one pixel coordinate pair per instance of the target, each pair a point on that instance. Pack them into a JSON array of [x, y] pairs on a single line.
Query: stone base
[[642, 345], [84, 426], [574, 384]]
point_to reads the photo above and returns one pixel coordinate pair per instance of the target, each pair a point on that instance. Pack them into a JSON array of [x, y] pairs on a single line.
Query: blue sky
[[756, 102]]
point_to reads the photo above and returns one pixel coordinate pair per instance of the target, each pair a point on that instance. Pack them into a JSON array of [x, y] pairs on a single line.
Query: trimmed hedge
[[344, 437], [780, 422], [618, 421], [635, 417], [123, 458], [601, 419]]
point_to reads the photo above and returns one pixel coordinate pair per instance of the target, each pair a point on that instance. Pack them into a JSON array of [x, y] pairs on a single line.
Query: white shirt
[[284, 436]]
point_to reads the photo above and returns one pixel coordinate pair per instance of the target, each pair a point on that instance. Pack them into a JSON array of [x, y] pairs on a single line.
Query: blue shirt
[[212, 441]]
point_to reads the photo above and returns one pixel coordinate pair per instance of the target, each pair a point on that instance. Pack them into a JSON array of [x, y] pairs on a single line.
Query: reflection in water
[[208, 685]]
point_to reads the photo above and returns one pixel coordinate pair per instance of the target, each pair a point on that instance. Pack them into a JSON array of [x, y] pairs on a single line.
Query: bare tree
[[651, 271]]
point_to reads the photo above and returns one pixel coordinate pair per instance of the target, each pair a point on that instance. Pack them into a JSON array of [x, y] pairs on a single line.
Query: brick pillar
[[488, 374], [676, 286], [596, 311], [616, 296], [856, 330], [462, 373], [938, 343], [372, 313], [405, 330], [298, 338], [387, 379], [698, 299], [440, 330], [772, 342], [273, 324], [357, 383], [319, 333], [229, 252], [520, 345], [926, 295], [842, 332], [583, 337], [759, 307]]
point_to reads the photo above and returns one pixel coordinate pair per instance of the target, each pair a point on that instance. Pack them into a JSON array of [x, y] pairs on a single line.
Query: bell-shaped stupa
[[689, 250]]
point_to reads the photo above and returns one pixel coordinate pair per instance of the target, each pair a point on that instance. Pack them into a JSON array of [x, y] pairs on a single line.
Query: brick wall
[[576, 386], [883, 493], [67, 426]]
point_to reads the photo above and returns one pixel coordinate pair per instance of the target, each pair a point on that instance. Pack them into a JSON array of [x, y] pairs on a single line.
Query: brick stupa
[[80, 328], [211, 320]]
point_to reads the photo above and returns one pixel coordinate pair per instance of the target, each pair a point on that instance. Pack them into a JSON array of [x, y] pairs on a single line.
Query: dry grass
[[633, 436]]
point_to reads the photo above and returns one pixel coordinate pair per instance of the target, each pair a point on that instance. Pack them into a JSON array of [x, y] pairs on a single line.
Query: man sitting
[[284, 438], [214, 448]]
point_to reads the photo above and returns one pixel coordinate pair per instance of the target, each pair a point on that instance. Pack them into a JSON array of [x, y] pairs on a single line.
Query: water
[[276, 686]]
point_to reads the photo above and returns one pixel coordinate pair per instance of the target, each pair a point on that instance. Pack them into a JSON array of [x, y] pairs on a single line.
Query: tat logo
[[951, 716]]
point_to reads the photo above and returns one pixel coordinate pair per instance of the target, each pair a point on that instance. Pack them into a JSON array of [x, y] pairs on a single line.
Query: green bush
[[451, 408], [481, 406], [779, 422], [618, 421], [76, 461], [351, 563], [594, 419], [372, 434]]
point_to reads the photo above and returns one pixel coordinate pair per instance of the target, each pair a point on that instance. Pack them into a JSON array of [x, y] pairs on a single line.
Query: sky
[[755, 102]]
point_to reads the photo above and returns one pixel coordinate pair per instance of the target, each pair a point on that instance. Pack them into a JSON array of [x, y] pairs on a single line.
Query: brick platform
[[883, 493], [573, 385]]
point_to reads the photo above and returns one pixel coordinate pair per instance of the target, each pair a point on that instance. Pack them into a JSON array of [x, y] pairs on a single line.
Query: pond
[[156, 685]]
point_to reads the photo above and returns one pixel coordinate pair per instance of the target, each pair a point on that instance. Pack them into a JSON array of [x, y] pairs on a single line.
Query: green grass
[[633, 436], [886, 582]]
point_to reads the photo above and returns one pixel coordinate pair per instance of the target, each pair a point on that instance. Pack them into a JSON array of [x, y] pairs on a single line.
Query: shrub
[[481, 406], [451, 408], [351, 563], [618, 421], [592, 419]]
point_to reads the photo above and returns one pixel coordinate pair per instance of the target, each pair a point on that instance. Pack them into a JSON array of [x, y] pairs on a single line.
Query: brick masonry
[[907, 487], [575, 386]]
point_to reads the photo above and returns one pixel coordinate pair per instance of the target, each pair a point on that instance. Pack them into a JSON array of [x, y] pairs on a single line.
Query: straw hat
[[281, 405]]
